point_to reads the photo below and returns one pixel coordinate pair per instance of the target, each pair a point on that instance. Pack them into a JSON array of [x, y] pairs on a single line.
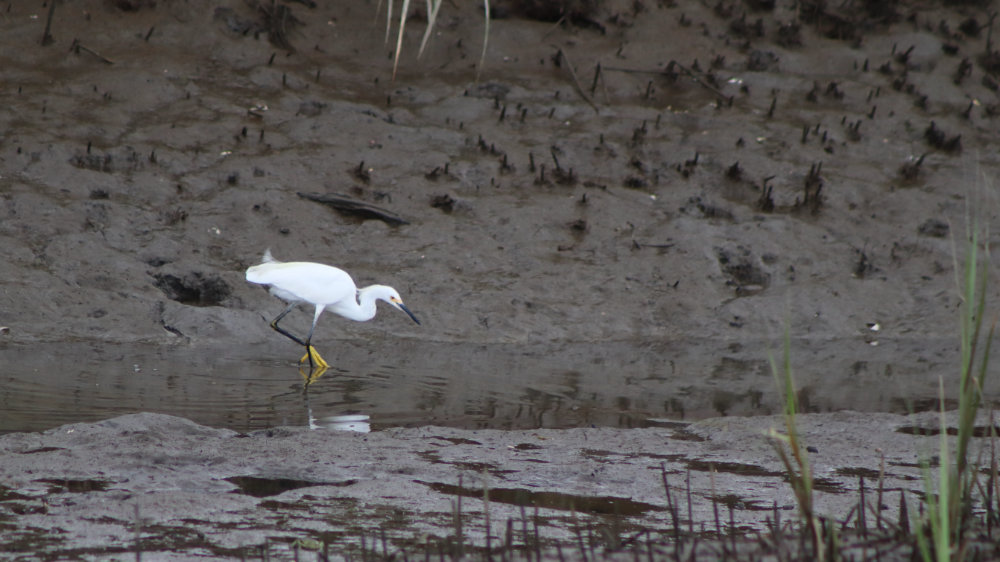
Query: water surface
[[499, 385]]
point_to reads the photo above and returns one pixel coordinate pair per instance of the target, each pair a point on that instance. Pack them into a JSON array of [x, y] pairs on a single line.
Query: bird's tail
[[268, 258]]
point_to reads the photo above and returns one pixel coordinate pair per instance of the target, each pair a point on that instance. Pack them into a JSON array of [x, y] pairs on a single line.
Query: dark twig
[[47, 38], [76, 47]]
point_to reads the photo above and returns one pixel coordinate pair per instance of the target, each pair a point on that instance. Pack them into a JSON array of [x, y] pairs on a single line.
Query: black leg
[[280, 330], [289, 335], [309, 351]]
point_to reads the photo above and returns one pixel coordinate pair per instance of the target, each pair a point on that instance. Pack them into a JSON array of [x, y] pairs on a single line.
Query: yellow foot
[[316, 359]]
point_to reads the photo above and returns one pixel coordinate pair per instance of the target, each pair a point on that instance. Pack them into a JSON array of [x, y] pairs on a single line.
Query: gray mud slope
[[811, 171]]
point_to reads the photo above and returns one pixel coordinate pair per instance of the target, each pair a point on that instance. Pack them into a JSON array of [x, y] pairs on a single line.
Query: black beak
[[407, 311]]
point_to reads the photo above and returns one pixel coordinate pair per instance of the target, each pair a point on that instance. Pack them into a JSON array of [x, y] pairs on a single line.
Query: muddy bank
[[174, 489]]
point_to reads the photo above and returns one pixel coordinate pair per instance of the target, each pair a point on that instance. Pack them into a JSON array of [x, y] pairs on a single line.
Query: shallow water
[[409, 382]]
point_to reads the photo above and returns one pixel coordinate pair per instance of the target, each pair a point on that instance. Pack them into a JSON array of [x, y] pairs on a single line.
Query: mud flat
[[168, 487]]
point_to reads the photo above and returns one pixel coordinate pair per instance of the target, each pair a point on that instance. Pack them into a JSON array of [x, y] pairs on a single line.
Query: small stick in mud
[[862, 512], [813, 187], [47, 38], [766, 200], [690, 72], [909, 171], [361, 173], [576, 82], [854, 131], [881, 489], [734, 172], [433, 175], [76, 47], [505, 166], [540, 180], [148, 33], [904, 515]]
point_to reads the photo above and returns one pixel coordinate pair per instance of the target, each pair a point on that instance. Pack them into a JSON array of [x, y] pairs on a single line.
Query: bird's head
[[392, 297]]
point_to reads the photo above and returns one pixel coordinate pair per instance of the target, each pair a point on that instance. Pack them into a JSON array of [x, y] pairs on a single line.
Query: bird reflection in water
[[360, 423]]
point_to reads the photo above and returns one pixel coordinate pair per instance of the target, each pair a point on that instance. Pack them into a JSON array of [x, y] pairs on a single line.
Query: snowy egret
[[324, 286]]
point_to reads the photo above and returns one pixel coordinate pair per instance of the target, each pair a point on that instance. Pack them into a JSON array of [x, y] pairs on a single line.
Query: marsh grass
[[949, 508], [792, 451], [942, 524]]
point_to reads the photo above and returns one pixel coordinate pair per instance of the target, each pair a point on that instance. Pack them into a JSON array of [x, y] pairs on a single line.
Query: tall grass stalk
[[948, 509], [972, 375], [937, 515], [795, 458]]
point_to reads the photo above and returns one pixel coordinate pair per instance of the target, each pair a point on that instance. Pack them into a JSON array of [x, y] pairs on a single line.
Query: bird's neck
[[363, 308]]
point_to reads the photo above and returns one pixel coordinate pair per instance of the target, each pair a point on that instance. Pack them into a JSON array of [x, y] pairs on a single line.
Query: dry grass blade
[[399, 38], [486, 36], [433, 8], [432, 13]]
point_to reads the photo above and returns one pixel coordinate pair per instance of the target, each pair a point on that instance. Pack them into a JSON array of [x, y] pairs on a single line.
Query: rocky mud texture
[[665, 175]]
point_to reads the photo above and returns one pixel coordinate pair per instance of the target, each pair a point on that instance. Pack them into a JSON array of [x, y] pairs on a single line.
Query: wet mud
[[606, 231], [164, 486]]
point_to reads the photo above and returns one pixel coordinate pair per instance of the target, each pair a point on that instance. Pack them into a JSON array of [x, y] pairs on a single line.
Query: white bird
[[324, 286]]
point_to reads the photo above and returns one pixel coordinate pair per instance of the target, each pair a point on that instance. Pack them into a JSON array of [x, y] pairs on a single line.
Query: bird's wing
[[305, 281]]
